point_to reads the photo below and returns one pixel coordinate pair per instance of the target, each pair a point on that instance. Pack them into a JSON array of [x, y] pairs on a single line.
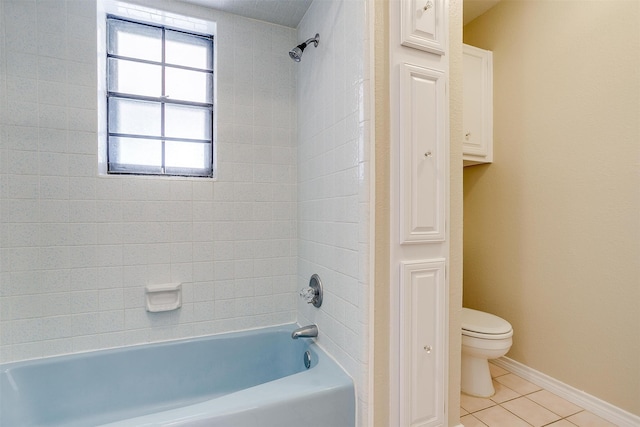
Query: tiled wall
[[77, 249], [333, 182]]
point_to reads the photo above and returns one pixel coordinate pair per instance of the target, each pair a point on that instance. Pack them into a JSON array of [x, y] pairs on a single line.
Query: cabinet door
[[423, 117], [477, 105], [422, 25], [422, 341]]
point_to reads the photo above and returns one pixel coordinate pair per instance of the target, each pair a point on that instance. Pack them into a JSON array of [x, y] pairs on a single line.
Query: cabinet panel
[[422, 156], [422, 343], [422, 25], [477, 105]]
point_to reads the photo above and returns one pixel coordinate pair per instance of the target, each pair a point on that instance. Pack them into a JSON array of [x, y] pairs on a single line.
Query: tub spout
[[310, 331]]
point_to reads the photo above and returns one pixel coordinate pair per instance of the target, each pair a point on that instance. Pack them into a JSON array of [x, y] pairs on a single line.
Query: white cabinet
[[422, 156], [477, 110], [422, 343], [418, 212], [422, 25]]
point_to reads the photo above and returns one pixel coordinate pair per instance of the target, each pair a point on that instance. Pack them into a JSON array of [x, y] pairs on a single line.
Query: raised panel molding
[[422, 25], [422, 158], [422, 343]]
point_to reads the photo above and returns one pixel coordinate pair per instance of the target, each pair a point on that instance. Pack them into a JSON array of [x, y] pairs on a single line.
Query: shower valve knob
[[308, 295], [427, 6], [313, 294]]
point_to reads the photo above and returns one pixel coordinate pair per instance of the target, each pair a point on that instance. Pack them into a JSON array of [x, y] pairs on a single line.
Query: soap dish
[[164, 297]]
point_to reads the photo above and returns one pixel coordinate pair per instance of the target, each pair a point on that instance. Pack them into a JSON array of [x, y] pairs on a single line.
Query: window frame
[[163, 100]]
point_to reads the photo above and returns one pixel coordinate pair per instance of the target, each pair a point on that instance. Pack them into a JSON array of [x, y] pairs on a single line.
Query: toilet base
[[476, 377]]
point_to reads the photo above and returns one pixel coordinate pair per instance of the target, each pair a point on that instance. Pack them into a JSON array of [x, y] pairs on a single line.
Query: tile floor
[[519, 403]]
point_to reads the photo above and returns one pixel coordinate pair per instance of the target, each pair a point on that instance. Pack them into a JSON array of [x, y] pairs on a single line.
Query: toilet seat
[[479, 324]]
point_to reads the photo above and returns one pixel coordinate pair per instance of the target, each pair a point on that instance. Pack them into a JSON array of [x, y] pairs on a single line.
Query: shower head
[[296, 52]]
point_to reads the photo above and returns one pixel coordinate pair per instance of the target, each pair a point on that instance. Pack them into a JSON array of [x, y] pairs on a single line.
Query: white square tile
[[84, 302], [55, 280], [82, 211], [81, 97], [82, 256], [82, 188], [23, 187], [110, 277], [52, 45], [49, 69], [56, 304], [84, 165], [111, 321], [82, 142], [83, 279], [52, 116], [111, 299], [21, 89], [56, 327], [54, 187]]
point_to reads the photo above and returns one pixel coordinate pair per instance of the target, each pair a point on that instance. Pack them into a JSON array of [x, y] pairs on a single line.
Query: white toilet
[[484, 337]]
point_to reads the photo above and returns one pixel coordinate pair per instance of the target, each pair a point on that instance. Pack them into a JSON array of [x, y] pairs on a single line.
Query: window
[[159, 100]]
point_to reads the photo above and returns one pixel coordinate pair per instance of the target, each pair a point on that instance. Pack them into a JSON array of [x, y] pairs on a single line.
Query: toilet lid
[[484, 323]]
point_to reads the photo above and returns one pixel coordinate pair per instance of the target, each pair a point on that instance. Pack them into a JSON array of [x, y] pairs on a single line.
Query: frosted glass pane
[[188, 50], [135, 78], [134, 151], [188, 85], [134, 117], [187, 122], [135, 40], [187, 155]]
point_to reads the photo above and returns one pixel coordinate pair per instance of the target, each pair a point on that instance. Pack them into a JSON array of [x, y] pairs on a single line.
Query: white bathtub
[[255, 378]]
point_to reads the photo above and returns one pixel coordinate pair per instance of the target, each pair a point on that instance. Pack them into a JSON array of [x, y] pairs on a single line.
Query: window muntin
[[159, 100]]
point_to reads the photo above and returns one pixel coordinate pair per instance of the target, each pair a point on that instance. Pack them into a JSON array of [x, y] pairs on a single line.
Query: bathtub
[[254, 378]]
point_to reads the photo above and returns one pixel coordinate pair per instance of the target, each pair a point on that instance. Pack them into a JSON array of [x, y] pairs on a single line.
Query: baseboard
[[605, 410]]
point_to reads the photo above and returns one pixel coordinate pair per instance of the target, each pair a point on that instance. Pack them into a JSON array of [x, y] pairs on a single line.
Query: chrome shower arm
[[313, 40]]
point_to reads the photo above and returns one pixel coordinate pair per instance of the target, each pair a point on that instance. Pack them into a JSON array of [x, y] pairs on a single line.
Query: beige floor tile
[[473, 404], [503, 393], [463, 412], [531, 412], [497, 416], [562, 423], [471, 421], [496, 370], [517, 384], [587, 419], [554, 403]]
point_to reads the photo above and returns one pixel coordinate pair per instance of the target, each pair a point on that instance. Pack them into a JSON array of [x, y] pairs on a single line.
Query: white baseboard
[[605, 410]]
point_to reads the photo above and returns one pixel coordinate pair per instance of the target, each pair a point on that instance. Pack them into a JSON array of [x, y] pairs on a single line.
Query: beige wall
[[381, 317], [552, 227], [455, 208]]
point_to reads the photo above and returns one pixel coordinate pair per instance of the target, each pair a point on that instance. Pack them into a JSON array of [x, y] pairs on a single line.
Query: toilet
[[484, 337]]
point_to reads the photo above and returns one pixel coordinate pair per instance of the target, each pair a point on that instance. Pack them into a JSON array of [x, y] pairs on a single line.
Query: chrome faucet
[[309, 331]]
